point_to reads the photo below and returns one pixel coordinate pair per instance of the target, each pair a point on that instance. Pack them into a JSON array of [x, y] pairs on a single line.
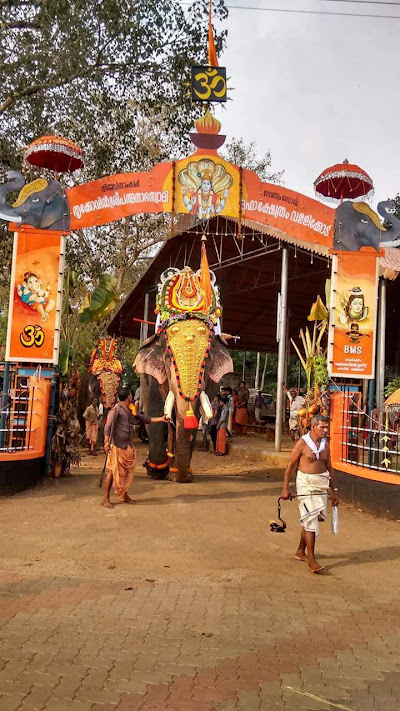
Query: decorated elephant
[[181, 366], [357, 225], [41, 204]]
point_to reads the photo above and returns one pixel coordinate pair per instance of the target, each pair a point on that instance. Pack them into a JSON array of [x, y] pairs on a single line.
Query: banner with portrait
[[35, 297], [353, 314]]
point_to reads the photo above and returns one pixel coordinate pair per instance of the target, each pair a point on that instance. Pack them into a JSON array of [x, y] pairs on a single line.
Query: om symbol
[[32, 336], [208, 83]]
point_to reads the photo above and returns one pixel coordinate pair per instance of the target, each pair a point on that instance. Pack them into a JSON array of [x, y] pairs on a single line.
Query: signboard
[[292, 213], [116, 196], [209, 84], [353, 313], [33, 333]]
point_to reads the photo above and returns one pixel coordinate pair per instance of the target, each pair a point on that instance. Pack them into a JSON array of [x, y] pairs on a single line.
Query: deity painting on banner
[[353, 314], [206, 186], [35, 297]]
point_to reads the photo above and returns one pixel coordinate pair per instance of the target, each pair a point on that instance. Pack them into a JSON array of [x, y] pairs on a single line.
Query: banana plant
[[313, 351], [103, 300]]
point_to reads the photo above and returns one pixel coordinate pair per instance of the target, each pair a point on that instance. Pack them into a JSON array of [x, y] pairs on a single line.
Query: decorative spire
[[208, 132], [207, 124]]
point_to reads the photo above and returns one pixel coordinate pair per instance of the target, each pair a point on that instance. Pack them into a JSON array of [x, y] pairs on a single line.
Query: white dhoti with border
[[313, 500]]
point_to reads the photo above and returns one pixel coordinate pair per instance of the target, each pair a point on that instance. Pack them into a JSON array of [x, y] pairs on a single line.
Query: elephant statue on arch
[[181, 367], [42, 204], [357, 225]]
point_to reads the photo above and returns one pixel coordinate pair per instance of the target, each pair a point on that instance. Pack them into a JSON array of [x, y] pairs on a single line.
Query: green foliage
[[295, 375], [65, 357], [246, 155], [98, 71], [111, 76], [103, 299], [321, 377], [392, 386]]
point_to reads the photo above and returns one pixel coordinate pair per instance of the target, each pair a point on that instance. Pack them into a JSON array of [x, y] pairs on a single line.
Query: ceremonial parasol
[[393, 401], [55, 153], [344, 180]]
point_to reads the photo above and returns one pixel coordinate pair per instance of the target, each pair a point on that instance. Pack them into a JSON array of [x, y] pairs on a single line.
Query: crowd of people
[[229, 416]]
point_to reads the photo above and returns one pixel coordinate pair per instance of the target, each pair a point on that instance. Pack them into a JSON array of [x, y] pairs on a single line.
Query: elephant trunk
[[15, 182]]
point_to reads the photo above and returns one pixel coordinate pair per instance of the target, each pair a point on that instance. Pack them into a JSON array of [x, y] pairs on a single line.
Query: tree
[[111, 75], [98, 71], [246, 155]]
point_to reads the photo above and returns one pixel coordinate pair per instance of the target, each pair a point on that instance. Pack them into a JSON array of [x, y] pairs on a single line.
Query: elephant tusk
[[206, 405], [169, 404], [14, 218]]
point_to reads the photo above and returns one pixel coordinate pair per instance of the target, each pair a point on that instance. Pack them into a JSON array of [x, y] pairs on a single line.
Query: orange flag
[[205, 278], [212, 52]]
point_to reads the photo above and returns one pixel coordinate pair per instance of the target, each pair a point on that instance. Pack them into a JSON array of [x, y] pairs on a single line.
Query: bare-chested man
[[312, 460]]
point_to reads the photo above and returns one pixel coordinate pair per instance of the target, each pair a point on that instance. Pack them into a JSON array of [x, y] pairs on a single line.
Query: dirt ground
[[215, 529], [187, 602]]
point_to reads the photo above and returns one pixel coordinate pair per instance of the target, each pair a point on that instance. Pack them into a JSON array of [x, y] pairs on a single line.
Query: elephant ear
[[220, 360], [150, 360]]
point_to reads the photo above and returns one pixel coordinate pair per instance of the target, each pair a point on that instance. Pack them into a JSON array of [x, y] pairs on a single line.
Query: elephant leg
[[181, 471], [157, 462]]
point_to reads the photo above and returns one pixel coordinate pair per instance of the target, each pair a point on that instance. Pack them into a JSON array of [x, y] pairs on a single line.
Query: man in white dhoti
[[315, 479]]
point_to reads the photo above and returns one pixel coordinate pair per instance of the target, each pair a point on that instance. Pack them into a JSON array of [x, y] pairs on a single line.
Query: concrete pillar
[[281, 337], [380, 346], [257, 379], [144, 330]]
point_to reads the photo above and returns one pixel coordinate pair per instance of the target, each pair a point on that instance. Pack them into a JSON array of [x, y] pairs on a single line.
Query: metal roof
[[248, 274]]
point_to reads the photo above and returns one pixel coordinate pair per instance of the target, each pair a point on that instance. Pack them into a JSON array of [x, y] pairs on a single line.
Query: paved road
[[187, 602]]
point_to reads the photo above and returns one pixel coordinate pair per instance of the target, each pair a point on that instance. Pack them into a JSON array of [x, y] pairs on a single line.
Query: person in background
[[91, 417], [235, 403], [213, 422], [204, 431], [258, 405], [296, 403], [231, 407], [222, 427], [241, 409]]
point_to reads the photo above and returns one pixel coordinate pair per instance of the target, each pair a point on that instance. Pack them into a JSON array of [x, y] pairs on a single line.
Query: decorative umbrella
[[344, 180], [393, 401], [55, 153]]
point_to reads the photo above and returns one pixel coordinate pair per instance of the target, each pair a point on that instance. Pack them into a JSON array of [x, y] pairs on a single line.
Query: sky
[[316, 89]]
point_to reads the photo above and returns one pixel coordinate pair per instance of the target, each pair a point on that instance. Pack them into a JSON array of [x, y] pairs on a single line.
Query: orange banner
[[35, 297], [292, 213], [353, 310], [204, 186], [116, 196]]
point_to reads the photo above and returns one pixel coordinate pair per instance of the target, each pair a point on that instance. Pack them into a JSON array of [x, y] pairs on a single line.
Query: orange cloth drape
[[221, 442], [212, 52], [122, 464]]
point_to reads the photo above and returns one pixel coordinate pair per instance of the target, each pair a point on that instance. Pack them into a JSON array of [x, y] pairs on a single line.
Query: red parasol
[[54, 152], [344, 180]]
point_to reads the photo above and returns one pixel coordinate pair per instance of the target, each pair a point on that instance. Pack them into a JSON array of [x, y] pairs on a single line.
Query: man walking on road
[[118, 445], [315, 476]]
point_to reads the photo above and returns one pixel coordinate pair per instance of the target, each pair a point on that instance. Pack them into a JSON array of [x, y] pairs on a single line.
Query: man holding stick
[[118, 445], [315, 476]]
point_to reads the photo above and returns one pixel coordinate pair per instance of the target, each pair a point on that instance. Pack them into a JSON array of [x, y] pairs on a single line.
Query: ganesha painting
[[205, 187]]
